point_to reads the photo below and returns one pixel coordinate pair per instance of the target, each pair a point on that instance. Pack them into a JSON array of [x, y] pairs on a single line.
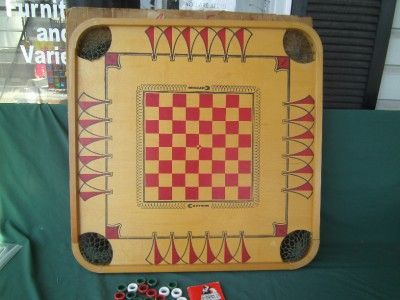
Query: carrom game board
[[195, 145]]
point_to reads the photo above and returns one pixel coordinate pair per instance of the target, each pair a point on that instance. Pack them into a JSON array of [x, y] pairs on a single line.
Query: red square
[[205, 154], [178, 153], [231, 179], [219, 114], [192, 140], [231, 153], [178, 127], [178, 179], [151, 179], [165, 193], [232, 100], [218, 193], [244, 114], [218, 140], [151, 153], [179, 100], [165, 140], [205, 127], [244, 166], [165, 166], [232, 127], [152, 126], [244, 140], [205, 180], [192, 193], [206, 100], [244, 193], [192, 113], [152, 99], [165, 113], [192, 166], [218, 166]]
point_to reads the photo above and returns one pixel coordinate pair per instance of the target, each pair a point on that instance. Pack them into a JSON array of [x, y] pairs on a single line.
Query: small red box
[[207, 291]]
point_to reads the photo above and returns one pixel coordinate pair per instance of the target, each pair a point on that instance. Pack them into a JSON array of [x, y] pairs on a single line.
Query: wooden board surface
[[195, 145]]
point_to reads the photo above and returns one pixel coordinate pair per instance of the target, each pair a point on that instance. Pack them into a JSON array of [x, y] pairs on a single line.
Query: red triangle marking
[[306, 100], [86, 123], [88, 141], [305, 170], [87, 195], [240, 36], [306, 118], [87, 159], [175, 255], [305, 152], [192, 254], [186, 36], [222, 36], [210, 255], [305, 187], [157, 255], [204, 36], [84, 105], [87, 177], [150, 33], [306, 135], [227, 254], [245, 254], [168, 35]]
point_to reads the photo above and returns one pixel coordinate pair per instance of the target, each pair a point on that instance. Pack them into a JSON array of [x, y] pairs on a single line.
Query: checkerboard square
[[192, 193], [244, 114], [205, 166], [206, 114], [205, 180], [192, 127], [206, 100], [178, 166], [179, 100], [231, 153], [232, 100], [165, 193], [192, 140], [192, 113], [152, 153], [205, 154], [245, 166], [178, 153], [179, 114], [244, 140], [152, 99], [231, 179], [205, 140], [165, 140], [205, 127], [219, 140], [178, 126], [219, 114], [165, 166], [192, 179], [219, 127], [178, 179], [218, 166], [218, 193], [192, 166], [244, 193], [165, 113], [151, 180], [165, 153], [151, 126], [232, 127]]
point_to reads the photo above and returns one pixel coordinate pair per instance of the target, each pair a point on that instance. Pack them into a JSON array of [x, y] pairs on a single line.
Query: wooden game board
[[195, 145]]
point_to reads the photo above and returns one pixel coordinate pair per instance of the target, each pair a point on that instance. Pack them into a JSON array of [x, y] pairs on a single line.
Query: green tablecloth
[[359, 256]]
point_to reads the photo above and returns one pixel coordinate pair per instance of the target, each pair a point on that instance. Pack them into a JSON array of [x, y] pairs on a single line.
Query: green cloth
[[359, 257]]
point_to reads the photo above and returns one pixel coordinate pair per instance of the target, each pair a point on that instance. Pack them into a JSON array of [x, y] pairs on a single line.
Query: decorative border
[[188, 89]]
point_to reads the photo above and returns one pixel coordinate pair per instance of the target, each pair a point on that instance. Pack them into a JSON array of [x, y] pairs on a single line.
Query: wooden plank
[[393, 54], [390, 87]]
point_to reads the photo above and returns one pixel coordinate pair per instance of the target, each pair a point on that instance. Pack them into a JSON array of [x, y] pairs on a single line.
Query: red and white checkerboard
[[198, 146]]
